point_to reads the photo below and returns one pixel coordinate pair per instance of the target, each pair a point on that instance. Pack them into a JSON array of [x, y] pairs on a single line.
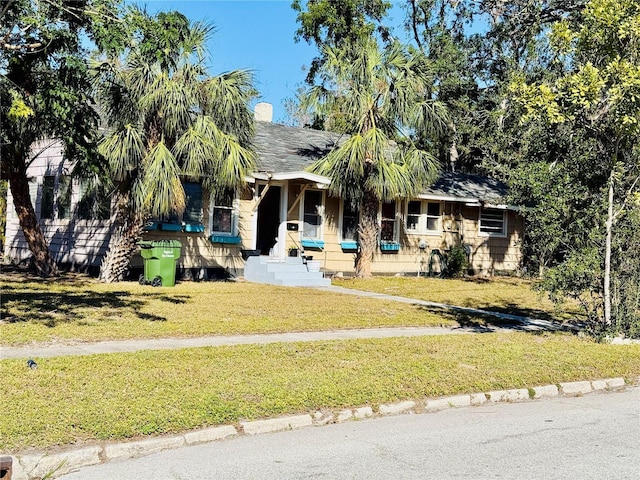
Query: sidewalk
[[512, 322]]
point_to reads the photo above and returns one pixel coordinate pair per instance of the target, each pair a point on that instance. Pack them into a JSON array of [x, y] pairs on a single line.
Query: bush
[[457, 262]]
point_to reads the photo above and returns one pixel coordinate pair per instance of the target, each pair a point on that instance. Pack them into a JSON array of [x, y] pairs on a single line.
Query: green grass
[[501, 294], [118, 396], [77, 400], [76, 308]]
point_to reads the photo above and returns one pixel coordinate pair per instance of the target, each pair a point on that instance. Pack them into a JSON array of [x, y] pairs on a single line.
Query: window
[[312, 214], [224, 218], [492, 222], [46, 205], [388, 223], [94, 203], [56, 198], [414, 211], [433, 217], [349, 222], [423, 217], [64, 196], [193, 203]]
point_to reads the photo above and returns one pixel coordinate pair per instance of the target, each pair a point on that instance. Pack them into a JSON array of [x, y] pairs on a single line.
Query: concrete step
[[289, 271]]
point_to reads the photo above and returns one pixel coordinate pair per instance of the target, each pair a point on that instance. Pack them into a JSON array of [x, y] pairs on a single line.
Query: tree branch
[[624, 203], [6, 7]]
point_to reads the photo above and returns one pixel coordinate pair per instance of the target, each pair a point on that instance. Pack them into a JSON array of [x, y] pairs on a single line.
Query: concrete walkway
[[525, 323], [511, 322]]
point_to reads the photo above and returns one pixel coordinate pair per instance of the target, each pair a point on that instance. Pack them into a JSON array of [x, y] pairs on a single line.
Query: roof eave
[[320, 180]]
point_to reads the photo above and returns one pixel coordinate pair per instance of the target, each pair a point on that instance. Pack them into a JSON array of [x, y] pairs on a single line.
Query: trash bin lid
[[166, 243]]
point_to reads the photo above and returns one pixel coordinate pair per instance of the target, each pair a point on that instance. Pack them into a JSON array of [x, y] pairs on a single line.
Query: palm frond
[[421, 165], [124, 150], [226, 99], [163, 191], [198, 35], [234, 164], [197, 149], [430, 118]]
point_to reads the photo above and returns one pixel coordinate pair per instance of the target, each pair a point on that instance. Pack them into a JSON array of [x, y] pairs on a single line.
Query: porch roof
[[320, 180]]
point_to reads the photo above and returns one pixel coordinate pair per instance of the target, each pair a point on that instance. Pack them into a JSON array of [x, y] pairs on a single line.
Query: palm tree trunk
[[43, 263], [367, 236], [122, 245]]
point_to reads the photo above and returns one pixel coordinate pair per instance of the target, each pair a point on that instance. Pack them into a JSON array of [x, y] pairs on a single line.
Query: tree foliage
[[334, 23], [598, 98], [378, 96], [45, 92], [168, 121]]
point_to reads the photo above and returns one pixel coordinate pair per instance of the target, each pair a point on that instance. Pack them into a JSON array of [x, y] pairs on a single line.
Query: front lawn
[[127, 395], [500, 294], [78, 308]]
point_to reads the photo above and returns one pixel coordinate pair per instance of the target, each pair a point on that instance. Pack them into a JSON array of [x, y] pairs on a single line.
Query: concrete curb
[[34, 466]]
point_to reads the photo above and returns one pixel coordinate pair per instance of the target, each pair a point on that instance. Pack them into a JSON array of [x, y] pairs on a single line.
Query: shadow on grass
[[575, 319], [488, 323], [37, 304]]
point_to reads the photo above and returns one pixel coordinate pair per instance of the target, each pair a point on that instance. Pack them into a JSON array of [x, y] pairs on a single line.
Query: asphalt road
[[592, 437]]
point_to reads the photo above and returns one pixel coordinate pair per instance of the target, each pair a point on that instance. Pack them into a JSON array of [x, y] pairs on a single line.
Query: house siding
[[79, 243], [82, 243], [488, 255]]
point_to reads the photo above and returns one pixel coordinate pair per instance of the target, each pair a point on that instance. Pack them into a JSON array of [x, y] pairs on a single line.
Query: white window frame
[[320, 214], [493, 233], [235, 216], [423, 218], [381, 219]]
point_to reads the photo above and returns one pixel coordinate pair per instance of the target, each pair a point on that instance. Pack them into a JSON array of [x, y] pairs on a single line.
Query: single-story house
[[282, 209]]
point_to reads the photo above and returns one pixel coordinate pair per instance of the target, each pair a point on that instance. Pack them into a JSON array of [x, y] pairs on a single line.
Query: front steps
[[288, 271]]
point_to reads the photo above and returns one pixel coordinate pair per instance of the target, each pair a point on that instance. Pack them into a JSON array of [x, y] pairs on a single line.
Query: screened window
[[193, 204], [414, 211], [56, 197], [388, 222], [64, 196], [433, 216], [492, 222], [349, 222], [312, 214], [224, 217]]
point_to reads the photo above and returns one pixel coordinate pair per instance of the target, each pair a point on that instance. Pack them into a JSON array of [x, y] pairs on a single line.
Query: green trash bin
[[159, 259]]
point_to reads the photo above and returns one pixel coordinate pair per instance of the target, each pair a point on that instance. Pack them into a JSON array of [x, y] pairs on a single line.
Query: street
[[592, 437]]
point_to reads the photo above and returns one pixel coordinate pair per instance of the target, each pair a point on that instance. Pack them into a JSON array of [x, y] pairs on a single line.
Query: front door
[[268, 220]]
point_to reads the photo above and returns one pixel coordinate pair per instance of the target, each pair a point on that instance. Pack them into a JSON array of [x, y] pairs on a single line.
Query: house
[[284, 208]]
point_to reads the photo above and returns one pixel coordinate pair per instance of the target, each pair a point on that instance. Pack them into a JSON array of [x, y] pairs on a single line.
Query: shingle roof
[[467, 186], [289, 149], [283, 149]]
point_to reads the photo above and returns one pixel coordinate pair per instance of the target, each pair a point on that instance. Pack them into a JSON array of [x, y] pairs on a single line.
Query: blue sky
[[256, 35]]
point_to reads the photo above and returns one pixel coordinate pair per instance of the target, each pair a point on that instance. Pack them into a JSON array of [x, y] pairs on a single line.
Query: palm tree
[[169, 122], [381, 99]]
